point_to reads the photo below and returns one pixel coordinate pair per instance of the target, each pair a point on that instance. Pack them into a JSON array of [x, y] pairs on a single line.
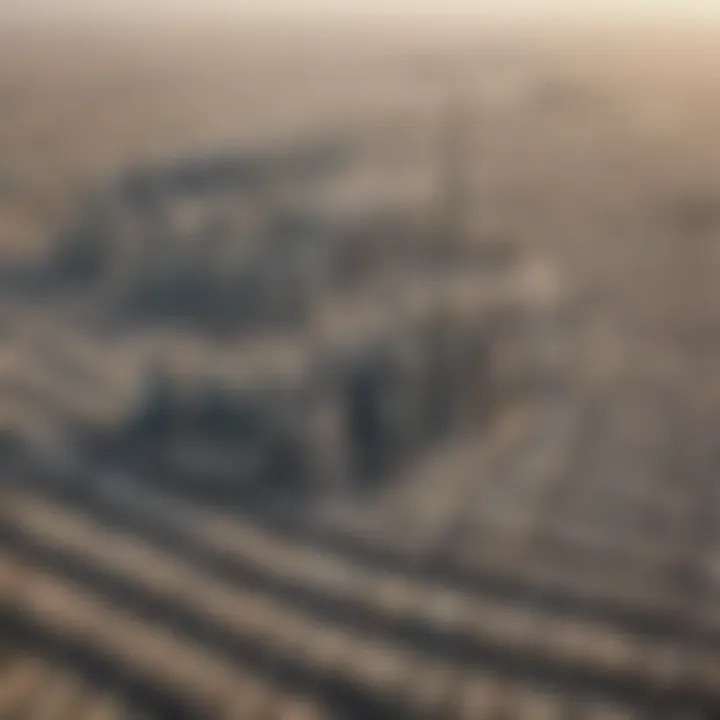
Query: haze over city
[[359, 360]]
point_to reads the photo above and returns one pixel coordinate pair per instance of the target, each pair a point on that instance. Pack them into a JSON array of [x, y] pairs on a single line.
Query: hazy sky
[[492, 7], [496, 8]]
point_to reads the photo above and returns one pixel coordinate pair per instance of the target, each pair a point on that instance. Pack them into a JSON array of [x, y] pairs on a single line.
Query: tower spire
[[454, 189]]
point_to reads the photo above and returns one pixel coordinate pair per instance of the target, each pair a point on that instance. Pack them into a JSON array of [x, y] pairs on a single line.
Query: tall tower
[[454, 200]]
